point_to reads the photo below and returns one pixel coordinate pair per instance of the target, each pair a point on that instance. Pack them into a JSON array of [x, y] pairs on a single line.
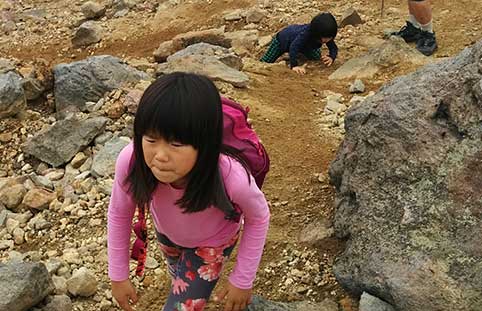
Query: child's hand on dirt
[[299, 70], [327, 60], [237, 299], [125, 294]]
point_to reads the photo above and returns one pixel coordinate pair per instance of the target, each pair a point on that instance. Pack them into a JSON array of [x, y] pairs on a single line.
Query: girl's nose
[[161, 155]]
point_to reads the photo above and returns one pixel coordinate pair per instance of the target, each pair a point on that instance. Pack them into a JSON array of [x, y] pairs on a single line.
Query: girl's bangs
[[172, 118]]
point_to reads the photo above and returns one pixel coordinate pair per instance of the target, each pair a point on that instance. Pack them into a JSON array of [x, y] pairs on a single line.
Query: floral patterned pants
[[194, 272]]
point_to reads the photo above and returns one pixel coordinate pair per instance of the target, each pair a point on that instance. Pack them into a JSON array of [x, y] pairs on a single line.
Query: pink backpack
[[237, 133]]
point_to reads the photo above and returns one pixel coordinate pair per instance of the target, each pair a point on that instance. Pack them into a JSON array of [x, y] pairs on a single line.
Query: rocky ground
[[291, 114]]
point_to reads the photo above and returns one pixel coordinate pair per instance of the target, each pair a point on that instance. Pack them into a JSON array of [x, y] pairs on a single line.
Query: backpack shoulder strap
[[223, 198], [139, 250]]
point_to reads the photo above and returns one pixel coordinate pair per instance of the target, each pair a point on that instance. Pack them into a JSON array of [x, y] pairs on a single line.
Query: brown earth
[[285, 108]]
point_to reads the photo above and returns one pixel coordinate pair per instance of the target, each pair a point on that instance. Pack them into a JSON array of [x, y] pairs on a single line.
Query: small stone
[[82, 283], [18, 236], [369, 302], [6, 244], [72, 256], [58, 303], [92, 9], [55, 174], [78, 160], [105, 305], [12, 224], [255, 15], [235, 15], [357, 86], [38, 199], [53, 265], [321, 178], [41, 181], [60, 284], [350, 17], [301, 289], [5, 137]]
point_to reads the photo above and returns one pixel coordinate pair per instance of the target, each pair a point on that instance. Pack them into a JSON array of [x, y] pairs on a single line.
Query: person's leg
[[313, 54], [197, 273], [410, 8], [273, 52], [422, 11], [411, 31], [171, 252]]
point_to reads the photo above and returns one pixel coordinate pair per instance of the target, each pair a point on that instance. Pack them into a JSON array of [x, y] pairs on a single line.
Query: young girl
[[194, 187]]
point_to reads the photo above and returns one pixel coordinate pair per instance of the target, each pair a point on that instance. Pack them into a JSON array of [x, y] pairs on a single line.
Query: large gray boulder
[[223, 54], [61, 142], [408, 189], [23, 285], [88, 80], [12, 96], [215, 36], [389, 54], [209, 66]]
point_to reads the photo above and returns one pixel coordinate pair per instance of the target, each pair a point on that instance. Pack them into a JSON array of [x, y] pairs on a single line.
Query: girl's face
[[170, 162]]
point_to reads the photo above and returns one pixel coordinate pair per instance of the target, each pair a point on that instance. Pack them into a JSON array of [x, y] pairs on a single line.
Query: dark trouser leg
[[273, 52]]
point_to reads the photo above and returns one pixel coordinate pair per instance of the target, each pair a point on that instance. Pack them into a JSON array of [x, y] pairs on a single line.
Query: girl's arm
[[119, 220], [252, 202], [332, 48], [296, 46]]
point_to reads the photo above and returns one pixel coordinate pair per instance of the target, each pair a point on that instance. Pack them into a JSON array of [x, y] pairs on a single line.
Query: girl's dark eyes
[[172, 143]]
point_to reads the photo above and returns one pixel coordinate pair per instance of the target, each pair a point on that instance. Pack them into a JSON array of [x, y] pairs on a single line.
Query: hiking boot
[[409, 33], [426, 43]]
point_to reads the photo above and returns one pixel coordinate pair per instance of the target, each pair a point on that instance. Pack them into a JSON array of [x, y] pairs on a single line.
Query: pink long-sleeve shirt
[[207, 228]]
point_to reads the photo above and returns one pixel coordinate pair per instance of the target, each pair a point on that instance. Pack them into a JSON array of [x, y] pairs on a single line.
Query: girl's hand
[[327, 60], [124, 293], [299, 70], [237, 299]]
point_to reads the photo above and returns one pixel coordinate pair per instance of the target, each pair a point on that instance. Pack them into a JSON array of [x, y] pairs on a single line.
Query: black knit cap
[[323, 26]]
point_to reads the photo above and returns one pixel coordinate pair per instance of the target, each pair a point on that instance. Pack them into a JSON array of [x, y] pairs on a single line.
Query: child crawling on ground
[[306, 39]]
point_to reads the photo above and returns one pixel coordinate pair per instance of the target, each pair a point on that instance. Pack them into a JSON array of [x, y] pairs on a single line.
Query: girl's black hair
[[186, 108], [323, 25]]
